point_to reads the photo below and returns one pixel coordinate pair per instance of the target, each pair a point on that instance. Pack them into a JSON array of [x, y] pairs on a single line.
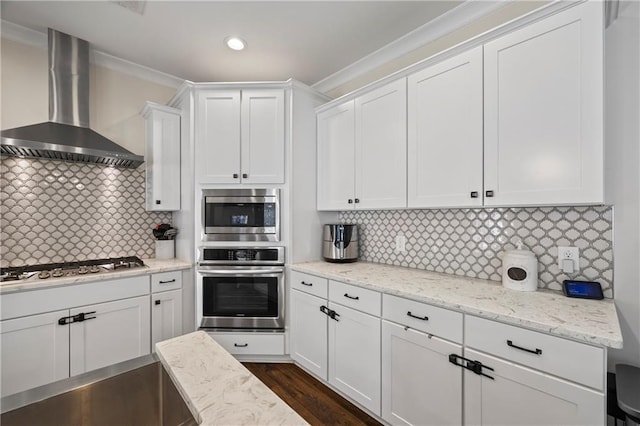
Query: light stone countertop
[[217, 388], [152, 266], [591, 321]]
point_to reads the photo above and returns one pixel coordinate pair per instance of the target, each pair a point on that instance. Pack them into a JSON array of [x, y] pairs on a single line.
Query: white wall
[[116, 98], [622, 139]]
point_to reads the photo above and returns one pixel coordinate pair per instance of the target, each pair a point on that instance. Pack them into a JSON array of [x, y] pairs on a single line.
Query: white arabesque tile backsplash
[[53, 211], [470, 242]]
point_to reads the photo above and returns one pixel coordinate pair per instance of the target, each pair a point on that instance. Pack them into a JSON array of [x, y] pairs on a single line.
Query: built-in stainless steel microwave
[[241, 215]]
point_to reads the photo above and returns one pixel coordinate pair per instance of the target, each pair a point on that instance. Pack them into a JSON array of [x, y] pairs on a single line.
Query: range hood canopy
[[67, 136]]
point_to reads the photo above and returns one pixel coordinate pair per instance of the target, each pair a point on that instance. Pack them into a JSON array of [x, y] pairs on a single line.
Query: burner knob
[[44, 274], [57, 272]]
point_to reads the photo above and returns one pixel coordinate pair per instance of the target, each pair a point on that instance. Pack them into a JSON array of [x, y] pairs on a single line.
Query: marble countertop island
[[590, 321], [152, 266], [218, 389]]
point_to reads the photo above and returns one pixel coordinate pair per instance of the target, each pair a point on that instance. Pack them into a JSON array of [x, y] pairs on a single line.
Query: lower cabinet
[[354, 355], [339, 344], [309, 333], [419, 384], [111, 332], [251, 343], [166, 316], [513, 394], [34, 351], [166, 306], [426, 365]]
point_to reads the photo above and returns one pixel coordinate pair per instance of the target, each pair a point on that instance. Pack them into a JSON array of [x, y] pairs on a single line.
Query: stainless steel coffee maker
[[340, 243]]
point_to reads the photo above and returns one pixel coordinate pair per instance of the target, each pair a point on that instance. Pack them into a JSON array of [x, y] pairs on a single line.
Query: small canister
[[520, 269]]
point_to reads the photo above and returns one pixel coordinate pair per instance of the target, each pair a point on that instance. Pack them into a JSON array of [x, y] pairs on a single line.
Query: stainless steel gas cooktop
[[69, 269]]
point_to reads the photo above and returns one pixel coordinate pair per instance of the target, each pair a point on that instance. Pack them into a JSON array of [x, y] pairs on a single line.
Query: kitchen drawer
[[431, 319], [251, 343], [309, 284], [362, 299], [165, 281], [574, 361]]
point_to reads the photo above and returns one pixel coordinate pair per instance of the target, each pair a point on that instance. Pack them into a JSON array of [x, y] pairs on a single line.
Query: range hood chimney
[[67, 136]]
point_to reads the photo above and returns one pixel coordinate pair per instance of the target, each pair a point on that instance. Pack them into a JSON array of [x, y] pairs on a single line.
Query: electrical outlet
[[400, 243], [569, 253]]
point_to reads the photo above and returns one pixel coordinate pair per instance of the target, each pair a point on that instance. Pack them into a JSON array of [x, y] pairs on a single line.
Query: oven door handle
[[239, 272]]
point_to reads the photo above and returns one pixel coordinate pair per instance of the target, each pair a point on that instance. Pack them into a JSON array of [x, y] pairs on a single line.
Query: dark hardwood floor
[[315, 402]]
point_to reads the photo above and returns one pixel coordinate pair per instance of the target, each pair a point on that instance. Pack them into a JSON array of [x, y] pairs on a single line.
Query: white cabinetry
[[110, 333], [84, 327], [362, 151], [309, 324], [337, 343], [445, 133], [35, 351], [419, 384], [239, 136], [538, 379], [354, 355], [166, 306], [543, 106], [162, 157]]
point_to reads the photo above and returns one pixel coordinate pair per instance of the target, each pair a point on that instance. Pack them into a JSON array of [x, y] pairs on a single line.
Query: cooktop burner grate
[[47, 270]]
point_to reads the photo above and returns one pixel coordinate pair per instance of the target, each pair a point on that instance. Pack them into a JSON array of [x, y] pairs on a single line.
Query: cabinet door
[[166, 316], [381, 147], [309, 333], [354, 356], [162, 158], [445, 133], [35, 351], [262, 122], [217, 136], [521, 396], [112, 332], [419, 384], [336, 158], [543, 88]]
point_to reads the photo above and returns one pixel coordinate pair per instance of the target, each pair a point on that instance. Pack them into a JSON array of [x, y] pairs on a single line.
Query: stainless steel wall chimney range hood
[[67, 136]]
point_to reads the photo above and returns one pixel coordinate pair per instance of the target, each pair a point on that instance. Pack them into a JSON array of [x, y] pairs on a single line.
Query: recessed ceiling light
[[235, 43]]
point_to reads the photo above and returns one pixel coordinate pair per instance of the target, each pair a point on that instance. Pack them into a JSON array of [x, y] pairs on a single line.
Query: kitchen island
[[217, 388]]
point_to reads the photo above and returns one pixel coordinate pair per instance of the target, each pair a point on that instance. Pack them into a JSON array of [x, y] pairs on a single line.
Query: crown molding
[[20, 34], [446, 23]]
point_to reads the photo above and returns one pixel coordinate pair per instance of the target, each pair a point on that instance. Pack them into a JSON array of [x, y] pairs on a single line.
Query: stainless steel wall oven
[[241, 215], [241, 288]]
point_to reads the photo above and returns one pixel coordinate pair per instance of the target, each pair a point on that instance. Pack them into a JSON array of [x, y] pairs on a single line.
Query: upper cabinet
[[362, 151], [445, 133], [543, 111], [240, 136], [517, 121], [162, 157]]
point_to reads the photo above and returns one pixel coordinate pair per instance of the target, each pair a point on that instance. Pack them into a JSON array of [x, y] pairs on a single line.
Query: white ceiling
[[305, 40]]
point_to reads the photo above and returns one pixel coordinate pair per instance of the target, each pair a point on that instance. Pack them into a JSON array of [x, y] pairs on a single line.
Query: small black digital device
[[582, 289]]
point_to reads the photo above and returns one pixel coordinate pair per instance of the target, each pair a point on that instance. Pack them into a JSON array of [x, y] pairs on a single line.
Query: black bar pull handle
[[307, 284], [65, 320], [351, 297], [244, 345], [424, 318], [535, 351], [325, 310], [157, 302], [333, 314], [167, 282]]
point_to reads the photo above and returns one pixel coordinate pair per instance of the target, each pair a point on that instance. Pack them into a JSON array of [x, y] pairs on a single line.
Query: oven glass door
[[240, 300]]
